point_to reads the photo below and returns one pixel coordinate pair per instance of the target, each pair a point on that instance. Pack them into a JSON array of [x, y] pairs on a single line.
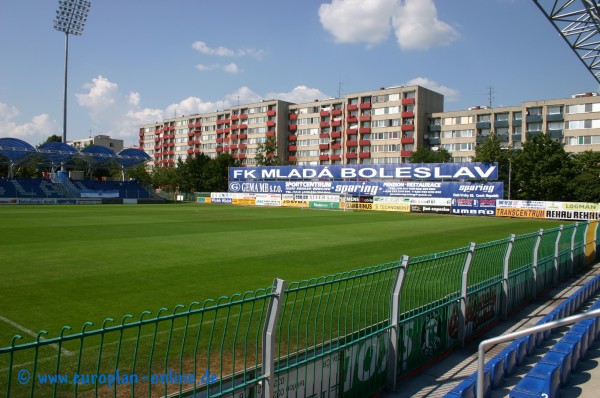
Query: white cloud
[[220, 51], [415, 22], [299, 94], [229, 68], [450, 94], [417, 26], [34, 131]]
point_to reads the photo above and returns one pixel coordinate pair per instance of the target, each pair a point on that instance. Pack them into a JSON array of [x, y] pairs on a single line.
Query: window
[[554, 110], [483, 118], [555, 125], [502, 117], [537, 111], [458, 134], [534, 126]]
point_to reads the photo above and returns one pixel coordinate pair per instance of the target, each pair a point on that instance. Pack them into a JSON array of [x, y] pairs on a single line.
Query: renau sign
[[417, 171]]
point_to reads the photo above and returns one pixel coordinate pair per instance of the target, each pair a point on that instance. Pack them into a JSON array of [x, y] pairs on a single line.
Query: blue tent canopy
[[15, 149], [57, 152], [132, 156], [97, 153]]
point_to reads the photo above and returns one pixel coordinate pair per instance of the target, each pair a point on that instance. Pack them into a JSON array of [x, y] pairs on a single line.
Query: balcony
[[219, 131], [292, 148], [532, 133], [323, 146], [234, 117], [517, 122], [324, 113], [408, 114], [242, 156], [435, 127], [190, 151], [336, 157], [291, 158], [196, 150], [500, 123], [533, 118], [292, 138], [352, 119], [233, 137], [434, 141], [336, 123], [293, 116], [555, 117], [336, 112], [351, 155], [336, 134], [196, 142], [351, 143], [242, 146], [324, 124], [324, 135], [226, 139], [365, 118], [233, 146], [219, 122], [270, 123], [243, 136], [219, 139], [364, 142], [364, 130], [243, 126], [481, 139], [352, 131], [271, 112], [483, 125], [502, 137], [191, 134], [234, 126], [243, 116], [227, 130], [270, 134], [406, 154], [292, 127], [517, 138], [365, 105], [352, 107], [336, 146], [323, 157], [219, 149], [364, 155], [407, 140], [408, 127], [556, 133], [408, 101]]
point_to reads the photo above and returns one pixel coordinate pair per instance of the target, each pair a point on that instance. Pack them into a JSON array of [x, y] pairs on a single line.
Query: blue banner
[[476, 207], [432, 189], [400, 172]]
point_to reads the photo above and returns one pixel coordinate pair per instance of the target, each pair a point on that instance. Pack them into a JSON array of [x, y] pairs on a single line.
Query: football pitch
[[65, 265]]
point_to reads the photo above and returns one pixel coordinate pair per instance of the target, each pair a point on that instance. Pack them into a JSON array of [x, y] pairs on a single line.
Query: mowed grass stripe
[[64, 265]]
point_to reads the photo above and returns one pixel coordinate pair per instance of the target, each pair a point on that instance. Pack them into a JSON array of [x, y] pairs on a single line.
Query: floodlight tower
[[70, 19]]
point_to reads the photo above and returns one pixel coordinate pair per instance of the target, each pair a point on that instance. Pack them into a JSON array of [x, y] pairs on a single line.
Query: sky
[[139, 61]]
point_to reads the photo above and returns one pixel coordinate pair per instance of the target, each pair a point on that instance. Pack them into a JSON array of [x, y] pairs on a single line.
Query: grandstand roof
[[57, 152]]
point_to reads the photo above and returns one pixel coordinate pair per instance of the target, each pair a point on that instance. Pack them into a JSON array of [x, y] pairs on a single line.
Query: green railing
[[347, 334]]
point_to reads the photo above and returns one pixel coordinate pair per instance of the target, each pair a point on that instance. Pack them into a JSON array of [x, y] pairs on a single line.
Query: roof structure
[[578, 22], [15, 149]]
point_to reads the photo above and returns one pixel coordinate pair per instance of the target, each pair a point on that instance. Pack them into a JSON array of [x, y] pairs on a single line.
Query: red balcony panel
[[171, 152], [406, 153], [242, 156], [352, 107], [323, 146], [336, 123], [190, 125], [351, 131], [270, 123], [234, 126], [292, 127], [219, 139], [165, 145], [271, 112], [235, 156], [243, 136], [363, 155], [365, 118], [226, 148], [408, 101], [351, 155], [190, 151], [291, 158], [336, 146], [336, 112], [324, 113], [292, 148], [226, 139], [242, 146], [141, 134], [156, 147], [156, 155], [365, 105], [196, 150], [408, 114], [219, 131], [293, 116], [233, 137], [243, 126], [243, 116], [324, 124], [408, 127], [171, 161], [323, 157], [234, 117], [270, 134], [197, 125], [197, 133], [191, 134], [220, 121], [156, 139], [352, 119], [351, 143], [364, 130], [190, 142], [196, 142], [336, 134], [364, 142], [292, 138], [324, 135], [270, 155], [227, 130], [407, 140], [233, 146], [227, 121]]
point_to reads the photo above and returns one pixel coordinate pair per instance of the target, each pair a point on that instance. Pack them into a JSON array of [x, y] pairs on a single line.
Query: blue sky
[[139, 61]]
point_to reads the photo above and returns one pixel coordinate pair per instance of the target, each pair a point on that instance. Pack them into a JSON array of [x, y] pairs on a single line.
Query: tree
[[217, 173], [139, 173], [164, 178], [542, 170], [425, 155], [490, 151], [53, 138], [265, 153], [585, 186]]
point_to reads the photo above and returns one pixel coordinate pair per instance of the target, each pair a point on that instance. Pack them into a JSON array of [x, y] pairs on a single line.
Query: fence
[[349, 334]]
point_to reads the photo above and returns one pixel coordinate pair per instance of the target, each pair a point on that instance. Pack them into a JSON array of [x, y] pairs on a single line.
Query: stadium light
[[70, 19]]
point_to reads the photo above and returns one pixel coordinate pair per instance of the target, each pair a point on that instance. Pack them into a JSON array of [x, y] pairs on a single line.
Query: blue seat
[[564, 362], [542, 380], [567, 346], [496, 367], [520, 347], [581, 333], [509, 354], [464, 389]]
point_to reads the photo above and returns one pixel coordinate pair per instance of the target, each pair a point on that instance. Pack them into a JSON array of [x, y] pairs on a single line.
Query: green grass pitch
[[64, 265]]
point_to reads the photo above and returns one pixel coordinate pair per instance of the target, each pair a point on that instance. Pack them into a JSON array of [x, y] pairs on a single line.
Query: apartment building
[[574, 122], [101, 140], [372, 127]]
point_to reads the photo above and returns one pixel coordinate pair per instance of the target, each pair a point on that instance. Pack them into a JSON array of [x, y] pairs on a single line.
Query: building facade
[[382, 126], [101, 140]]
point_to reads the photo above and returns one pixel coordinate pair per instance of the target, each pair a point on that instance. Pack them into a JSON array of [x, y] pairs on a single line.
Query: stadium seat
[[541, 381], [561, 359]]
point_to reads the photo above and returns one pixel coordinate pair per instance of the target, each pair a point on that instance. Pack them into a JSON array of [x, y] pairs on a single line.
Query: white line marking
[[31, 333]]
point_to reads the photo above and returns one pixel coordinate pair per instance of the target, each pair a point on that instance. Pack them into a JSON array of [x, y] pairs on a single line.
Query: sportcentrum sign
[[417, 171]]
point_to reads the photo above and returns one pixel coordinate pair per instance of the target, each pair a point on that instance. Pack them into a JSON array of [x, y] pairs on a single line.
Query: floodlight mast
[[70, 19]]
